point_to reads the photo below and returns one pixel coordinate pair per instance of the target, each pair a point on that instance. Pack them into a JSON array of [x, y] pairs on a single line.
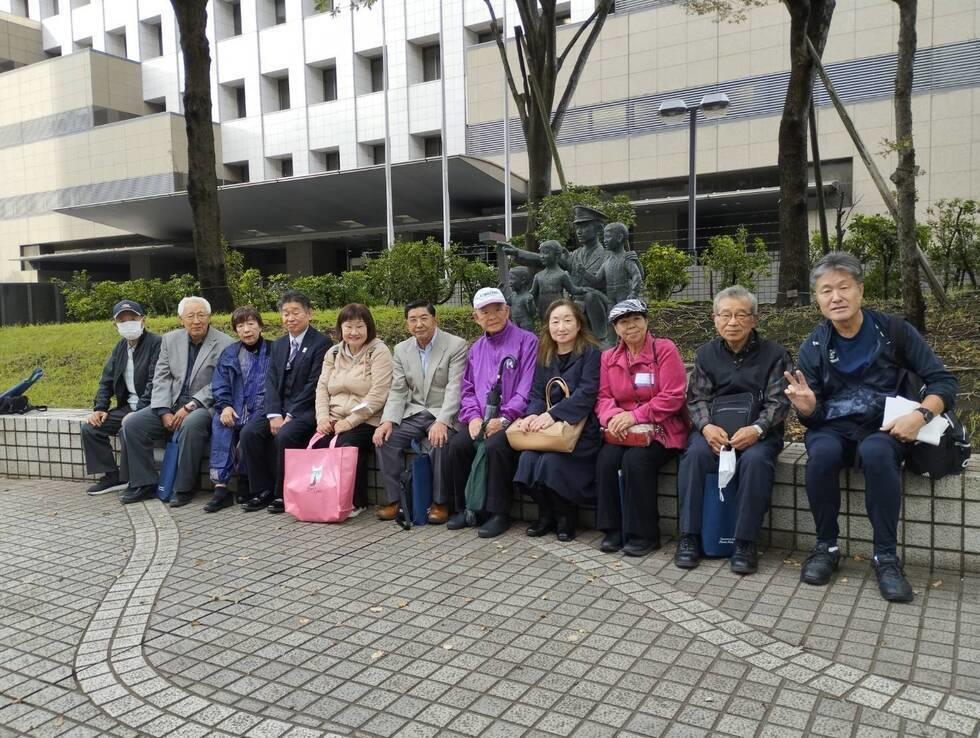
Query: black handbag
[[18, 405], [954, 449], [731, 412]]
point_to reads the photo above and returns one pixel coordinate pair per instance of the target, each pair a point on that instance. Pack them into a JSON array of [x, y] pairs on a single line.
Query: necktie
[[293, 348]]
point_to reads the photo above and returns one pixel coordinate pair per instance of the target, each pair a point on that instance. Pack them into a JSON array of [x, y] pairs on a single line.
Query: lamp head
[[673, 110], [714, 104]]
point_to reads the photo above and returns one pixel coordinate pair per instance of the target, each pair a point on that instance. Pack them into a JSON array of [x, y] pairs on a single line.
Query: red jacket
[[659, 395]]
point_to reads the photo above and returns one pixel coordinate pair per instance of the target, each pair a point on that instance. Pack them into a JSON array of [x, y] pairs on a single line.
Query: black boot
[[567, 515], [546, 516]]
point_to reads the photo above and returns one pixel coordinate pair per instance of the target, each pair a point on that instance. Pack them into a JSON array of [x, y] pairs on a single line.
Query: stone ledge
[[939, 525]]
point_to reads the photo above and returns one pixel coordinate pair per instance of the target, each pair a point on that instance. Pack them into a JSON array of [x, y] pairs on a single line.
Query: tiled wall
[[940, 524]]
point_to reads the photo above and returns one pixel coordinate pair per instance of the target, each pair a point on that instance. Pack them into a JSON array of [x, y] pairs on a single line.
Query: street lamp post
[[712, 105]]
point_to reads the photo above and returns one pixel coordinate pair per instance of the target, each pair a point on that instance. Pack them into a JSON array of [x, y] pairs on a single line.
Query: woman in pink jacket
[[641, 397]]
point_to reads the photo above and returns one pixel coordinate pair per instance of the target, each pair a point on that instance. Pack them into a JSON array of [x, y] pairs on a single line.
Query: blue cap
[[124, 305]]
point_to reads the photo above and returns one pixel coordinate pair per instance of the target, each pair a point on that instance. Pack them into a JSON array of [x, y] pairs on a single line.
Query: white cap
[[487, 296]]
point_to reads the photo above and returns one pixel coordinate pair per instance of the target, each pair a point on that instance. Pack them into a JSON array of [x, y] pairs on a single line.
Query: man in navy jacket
[[290, 416], [847, 367]]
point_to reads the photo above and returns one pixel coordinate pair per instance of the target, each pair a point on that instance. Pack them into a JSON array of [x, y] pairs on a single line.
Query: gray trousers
[[391, 460], [99, 458], [143, 428]]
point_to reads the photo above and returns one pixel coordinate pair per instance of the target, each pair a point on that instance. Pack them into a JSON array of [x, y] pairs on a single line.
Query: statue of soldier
[[582, 265]]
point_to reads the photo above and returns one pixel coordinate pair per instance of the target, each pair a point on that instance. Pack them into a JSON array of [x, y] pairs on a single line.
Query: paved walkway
[[139, 620]]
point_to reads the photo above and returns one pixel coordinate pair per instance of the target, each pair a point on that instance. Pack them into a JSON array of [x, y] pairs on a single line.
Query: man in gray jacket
[[181, 401], [422, 403]]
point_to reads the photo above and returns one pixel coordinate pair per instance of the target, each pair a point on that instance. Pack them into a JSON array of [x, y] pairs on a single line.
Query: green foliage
[[85, 300], [954, 248], [410, 270], [555, 212], [735, 261], [245, 284], [664, 270], [470, 274], [873, 239]]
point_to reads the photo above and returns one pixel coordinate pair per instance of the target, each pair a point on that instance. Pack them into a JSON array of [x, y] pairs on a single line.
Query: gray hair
[[737, 292], [837, 261], [192, 298]]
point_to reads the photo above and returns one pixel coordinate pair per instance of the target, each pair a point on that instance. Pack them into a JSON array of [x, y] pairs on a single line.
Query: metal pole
[[692, 185], [442, 146], [508, 206], [818, 178], [384, 62]]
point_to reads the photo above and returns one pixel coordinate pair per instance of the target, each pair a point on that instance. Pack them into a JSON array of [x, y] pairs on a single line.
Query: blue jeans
[[881, 456]]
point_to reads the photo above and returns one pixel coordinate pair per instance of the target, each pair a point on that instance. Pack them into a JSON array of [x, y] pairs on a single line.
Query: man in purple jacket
[[502, 339]]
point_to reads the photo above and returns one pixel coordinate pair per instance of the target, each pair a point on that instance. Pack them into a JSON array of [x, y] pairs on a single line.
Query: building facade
[[93, 145]]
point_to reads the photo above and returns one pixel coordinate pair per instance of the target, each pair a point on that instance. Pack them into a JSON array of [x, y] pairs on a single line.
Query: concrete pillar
[[299, 258], [139, 266]]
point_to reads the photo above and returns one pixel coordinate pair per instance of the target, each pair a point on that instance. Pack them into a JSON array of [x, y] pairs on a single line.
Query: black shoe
[[457, 521], [497, 524], [611, 542], [745, 560], [181, 498], [892, 583], [221, 499], [820, 564], [566, 529], [138, 494], [540, 527], [259, 502], [277, 506], [688, 554], [105, 484], [637, 546]]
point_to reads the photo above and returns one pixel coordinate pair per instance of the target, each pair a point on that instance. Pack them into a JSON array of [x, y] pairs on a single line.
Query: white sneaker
[[356, 511]]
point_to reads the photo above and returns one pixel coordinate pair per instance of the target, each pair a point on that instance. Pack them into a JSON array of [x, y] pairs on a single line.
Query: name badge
[[643, 379]]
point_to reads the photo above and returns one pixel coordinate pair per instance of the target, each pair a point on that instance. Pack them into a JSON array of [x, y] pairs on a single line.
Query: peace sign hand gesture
[[800, 394]]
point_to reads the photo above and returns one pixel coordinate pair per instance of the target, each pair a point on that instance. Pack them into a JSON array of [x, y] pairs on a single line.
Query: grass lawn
[[72, 354]]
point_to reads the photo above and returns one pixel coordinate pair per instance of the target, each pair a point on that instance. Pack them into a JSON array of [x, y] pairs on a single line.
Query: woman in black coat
[[560, 482]]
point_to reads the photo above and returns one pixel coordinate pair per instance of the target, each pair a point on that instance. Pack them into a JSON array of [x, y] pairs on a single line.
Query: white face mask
[[130, 329]]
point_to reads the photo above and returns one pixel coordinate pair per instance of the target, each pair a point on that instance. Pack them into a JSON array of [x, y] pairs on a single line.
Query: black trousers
[[361, 437], [755, 468], [881, 456], [501, 467], [264, 454], [99, 458], [637, 515]]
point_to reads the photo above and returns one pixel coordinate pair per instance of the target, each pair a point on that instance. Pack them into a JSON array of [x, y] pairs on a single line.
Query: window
[[323, 6], [157, 105], [238, 171], [280, 11], [433, 146], [562, 17], [240, 102], [286, 166], [236, 20], [331, 161], [151, 38], [282, 88], [430, 63], [377, 74], [115, 42], [329, 78], [378, 153], [484, 37]]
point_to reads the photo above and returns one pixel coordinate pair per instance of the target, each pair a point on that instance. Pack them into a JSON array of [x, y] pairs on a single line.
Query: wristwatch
[[926, 413], [758, 429]]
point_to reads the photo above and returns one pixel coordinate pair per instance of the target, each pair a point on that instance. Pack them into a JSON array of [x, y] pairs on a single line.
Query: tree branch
[[508, 73], [573, 78], [581, 29]]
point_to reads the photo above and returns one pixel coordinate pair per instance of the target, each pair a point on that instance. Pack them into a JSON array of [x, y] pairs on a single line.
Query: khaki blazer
[[171, 369], [438, 391]]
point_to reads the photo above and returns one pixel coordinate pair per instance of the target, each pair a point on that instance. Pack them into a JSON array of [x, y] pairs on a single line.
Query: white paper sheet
[[930, 433]]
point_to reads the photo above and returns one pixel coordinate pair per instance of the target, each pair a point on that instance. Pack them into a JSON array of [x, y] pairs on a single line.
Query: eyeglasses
[[195, 316], [740, 317]]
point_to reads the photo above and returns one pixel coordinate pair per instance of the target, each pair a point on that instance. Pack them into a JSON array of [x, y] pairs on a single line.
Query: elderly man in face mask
[[181, 400], [128, 377]]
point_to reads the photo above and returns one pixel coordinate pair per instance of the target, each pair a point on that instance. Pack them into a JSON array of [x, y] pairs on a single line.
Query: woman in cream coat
[[352, 390]]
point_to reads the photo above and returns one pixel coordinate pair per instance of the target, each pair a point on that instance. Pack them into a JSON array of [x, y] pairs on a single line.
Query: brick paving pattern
[[139, 620]]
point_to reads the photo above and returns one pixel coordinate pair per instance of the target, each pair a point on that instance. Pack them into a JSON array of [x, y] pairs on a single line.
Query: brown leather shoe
[[438, 514], [388, 512]]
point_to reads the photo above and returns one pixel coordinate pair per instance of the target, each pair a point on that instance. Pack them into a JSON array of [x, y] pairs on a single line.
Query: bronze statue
[[519, 297], [552, 282], [620, 274]]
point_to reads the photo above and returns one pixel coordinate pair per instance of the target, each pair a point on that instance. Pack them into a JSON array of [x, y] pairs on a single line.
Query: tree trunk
[[202, 181], [539, 175], [808, 18], [913, 302]]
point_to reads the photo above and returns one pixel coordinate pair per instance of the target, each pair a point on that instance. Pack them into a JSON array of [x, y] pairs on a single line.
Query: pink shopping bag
[[318, 484]]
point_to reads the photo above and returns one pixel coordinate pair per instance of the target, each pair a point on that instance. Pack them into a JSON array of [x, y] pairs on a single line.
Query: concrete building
[[300, 121]]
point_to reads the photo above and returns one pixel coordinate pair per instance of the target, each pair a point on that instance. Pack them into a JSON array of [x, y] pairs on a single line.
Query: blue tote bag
[[168, 469], [718, 517]]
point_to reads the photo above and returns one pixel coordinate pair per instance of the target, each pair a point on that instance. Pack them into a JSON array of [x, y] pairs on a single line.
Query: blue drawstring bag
[[718, 517], [168, 469], [421, 485]]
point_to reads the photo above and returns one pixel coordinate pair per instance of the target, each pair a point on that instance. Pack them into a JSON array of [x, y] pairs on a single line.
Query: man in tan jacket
[[423, 403]]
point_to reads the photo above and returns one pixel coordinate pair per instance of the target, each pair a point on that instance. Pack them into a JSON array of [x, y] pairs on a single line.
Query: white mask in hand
[[130, 329], [726, 469]]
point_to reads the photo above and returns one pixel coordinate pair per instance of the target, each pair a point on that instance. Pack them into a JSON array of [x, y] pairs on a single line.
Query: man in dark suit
[[128, 377], [290, 414]]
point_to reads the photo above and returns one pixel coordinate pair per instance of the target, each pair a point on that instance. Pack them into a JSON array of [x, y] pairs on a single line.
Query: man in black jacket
[[295, 362], [127, 376], [748, 370]]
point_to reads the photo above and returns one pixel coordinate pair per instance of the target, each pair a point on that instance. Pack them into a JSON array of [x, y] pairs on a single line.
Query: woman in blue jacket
[[238, 386], [560, 482], [847, 367]]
